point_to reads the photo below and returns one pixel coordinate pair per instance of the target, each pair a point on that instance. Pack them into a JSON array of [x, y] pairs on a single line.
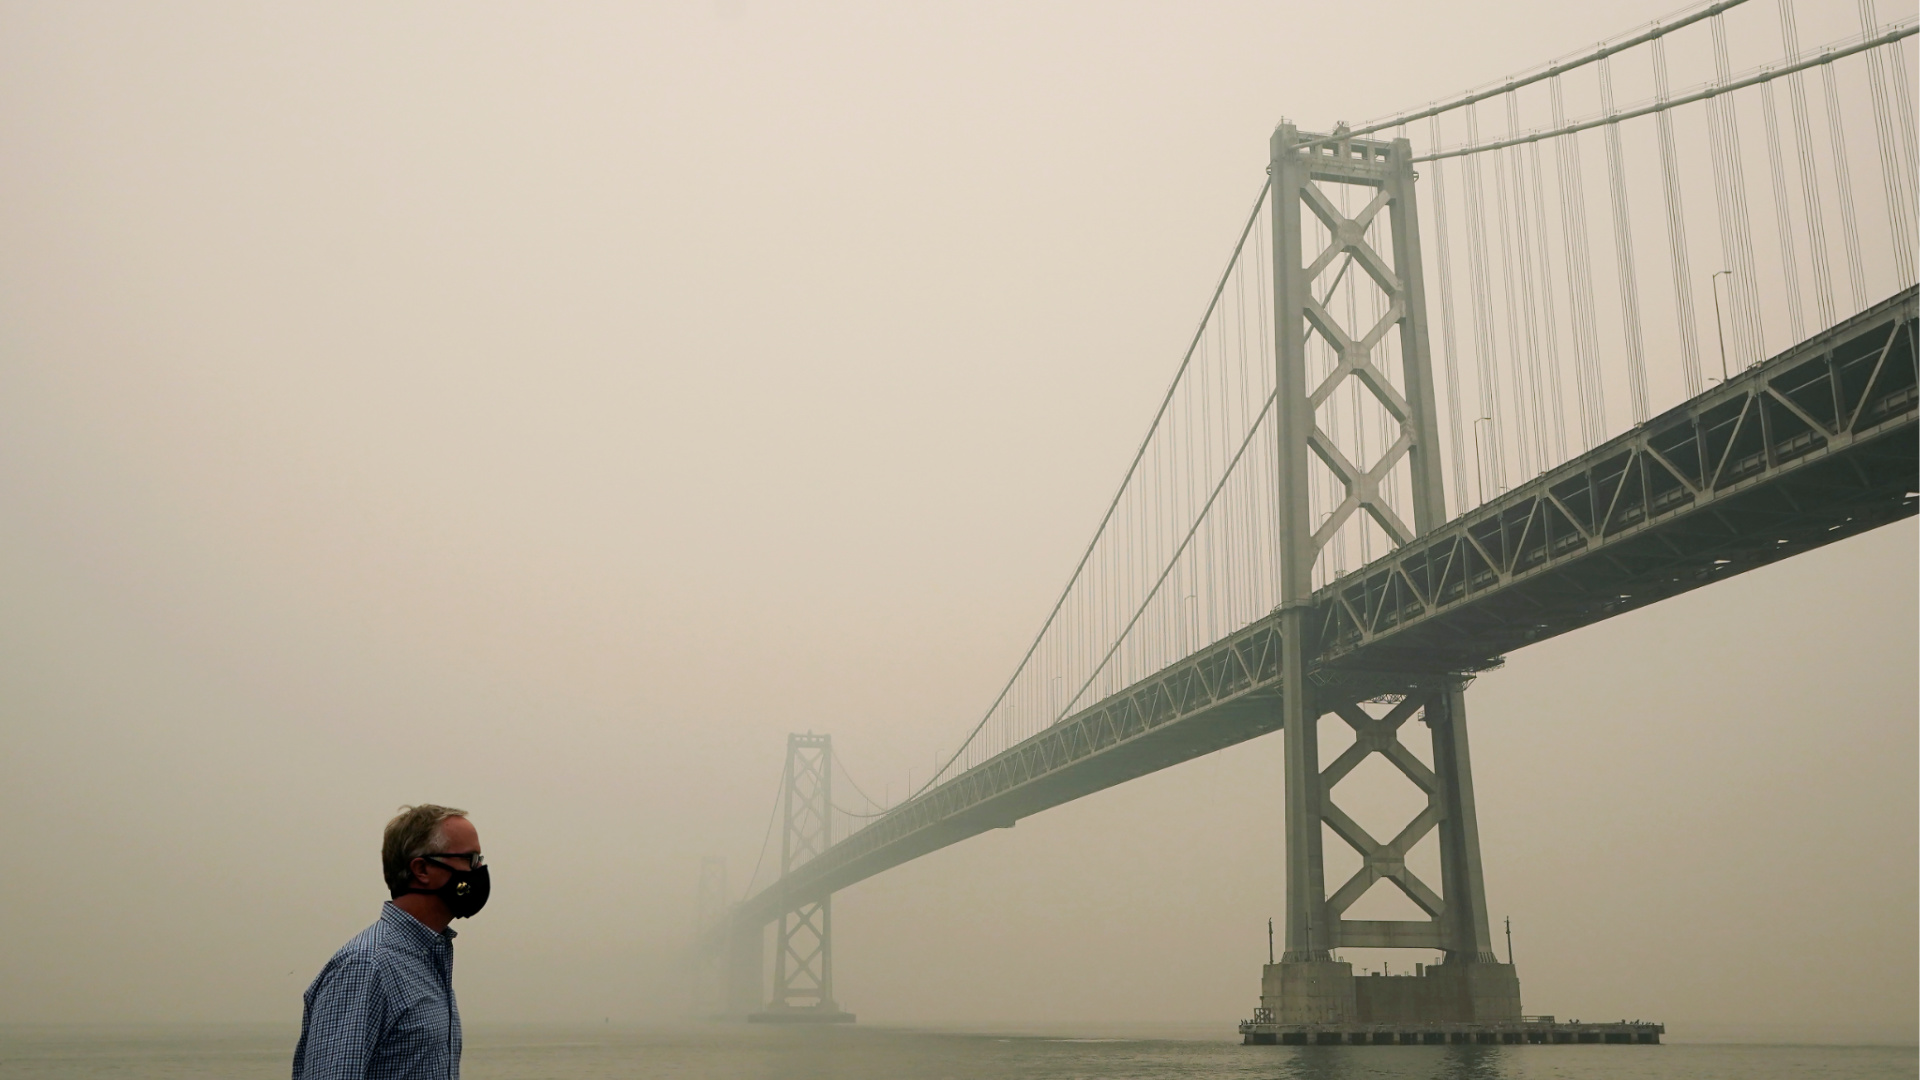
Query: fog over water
[[546, 409]]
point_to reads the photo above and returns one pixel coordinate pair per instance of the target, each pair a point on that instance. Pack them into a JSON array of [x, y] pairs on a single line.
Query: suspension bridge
[[1476, 374]]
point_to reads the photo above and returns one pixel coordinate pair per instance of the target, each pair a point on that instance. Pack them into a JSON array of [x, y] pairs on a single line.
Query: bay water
[[863, 1052]]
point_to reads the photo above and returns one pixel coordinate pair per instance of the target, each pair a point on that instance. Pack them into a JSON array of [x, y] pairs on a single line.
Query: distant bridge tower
[[1307, 985], [803, 948]]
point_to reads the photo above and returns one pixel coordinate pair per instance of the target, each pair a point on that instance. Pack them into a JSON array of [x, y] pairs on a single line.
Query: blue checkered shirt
[[383, 1008]]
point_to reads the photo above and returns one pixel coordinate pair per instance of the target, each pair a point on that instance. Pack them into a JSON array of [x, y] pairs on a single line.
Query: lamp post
[[1713, 282], [1480, 472]]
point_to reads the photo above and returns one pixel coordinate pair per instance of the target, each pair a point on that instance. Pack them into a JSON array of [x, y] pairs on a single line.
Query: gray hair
[[414, 832]]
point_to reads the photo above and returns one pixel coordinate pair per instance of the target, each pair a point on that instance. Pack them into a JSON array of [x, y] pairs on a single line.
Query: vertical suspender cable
[[1249, 598], [1730, 187], [1236, 571], [1269, 567], [1903, 104], [1208, 430], [1219, 560], [1573, 234], [1723, 137], [1843, 180], [1549, 328], [1890, 178], [1523, 243], [1486, 355], [1809, 173], [1783, 221], [1623, 254], [1677, 230], [1448, 357], [1516, 344]]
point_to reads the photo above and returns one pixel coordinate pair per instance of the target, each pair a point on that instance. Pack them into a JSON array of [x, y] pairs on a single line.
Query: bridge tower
[[803, 939], [1307, 985]]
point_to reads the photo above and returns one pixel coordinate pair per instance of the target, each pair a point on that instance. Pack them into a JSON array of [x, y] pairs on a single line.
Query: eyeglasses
[[475, 860]]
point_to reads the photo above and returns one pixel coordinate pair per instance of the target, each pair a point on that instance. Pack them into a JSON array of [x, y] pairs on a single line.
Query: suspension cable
[[1677, 232], [1809, 172], [1903, 106], [1486, 350], [779, 790], [1891, 182], [1185, 541], [1783, 220], [1521, 332], [858, 790], [1843, 179], [1623, 256], [1653, 32], [1825, 59], [1132, 468], [1550, 328], [1448, 351], [1735, 225], [1573, 235]]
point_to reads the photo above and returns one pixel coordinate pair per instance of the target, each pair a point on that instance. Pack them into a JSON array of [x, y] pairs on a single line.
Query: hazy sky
[[546, 408]]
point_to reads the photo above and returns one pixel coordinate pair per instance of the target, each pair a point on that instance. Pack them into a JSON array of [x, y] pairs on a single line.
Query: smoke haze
[[544, 410]]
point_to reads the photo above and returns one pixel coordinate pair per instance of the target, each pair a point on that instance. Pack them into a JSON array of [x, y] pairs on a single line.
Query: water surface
[[752, 1052]]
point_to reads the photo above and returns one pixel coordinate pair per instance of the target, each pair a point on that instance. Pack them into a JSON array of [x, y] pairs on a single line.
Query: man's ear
[[419, 868]]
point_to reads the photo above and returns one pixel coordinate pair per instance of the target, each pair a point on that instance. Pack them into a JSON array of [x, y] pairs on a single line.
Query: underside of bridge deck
[[1810, 447]]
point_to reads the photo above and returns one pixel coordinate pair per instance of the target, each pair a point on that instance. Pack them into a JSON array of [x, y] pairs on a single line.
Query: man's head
[[426, 846]]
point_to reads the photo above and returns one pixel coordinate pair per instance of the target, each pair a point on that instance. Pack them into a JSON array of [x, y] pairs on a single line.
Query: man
[[383, 1008]]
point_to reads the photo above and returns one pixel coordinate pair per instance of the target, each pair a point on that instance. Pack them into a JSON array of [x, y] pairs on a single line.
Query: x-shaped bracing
[[803, 937], [807, 834], [1389, 860], [1355, 360]]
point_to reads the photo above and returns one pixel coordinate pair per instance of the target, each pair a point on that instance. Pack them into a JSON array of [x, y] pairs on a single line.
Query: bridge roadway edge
[[1772, 491]]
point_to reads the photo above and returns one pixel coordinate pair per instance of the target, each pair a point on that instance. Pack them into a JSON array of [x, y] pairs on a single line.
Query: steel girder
[[1129, 732], [1630, 522], [1813, 445]]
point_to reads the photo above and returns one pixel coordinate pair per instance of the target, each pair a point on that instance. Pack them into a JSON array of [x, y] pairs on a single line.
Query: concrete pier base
[[1327, 992], [1321, 1001], [1453, 992], [1308, 992], [1531, 1030]]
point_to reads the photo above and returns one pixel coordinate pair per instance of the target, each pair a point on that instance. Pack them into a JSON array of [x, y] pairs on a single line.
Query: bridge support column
[[1478, 986], [1309, 986], [803, 957], [1369, 487], [1466, 934]]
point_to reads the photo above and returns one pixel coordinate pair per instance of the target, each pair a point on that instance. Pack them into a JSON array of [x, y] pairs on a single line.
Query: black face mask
[[465, 892]]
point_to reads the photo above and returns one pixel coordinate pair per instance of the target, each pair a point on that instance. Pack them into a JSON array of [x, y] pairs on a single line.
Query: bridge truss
[[1303, 531]]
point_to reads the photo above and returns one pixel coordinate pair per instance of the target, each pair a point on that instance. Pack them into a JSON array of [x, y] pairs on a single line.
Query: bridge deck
[[1812, 446]]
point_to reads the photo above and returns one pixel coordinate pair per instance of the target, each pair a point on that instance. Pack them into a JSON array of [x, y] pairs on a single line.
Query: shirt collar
[[412, 929]]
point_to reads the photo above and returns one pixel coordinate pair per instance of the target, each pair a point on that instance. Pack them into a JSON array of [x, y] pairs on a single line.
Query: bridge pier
[[1308, 986]]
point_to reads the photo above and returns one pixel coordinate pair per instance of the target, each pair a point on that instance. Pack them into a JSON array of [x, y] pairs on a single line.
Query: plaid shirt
[[383, 1008]]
